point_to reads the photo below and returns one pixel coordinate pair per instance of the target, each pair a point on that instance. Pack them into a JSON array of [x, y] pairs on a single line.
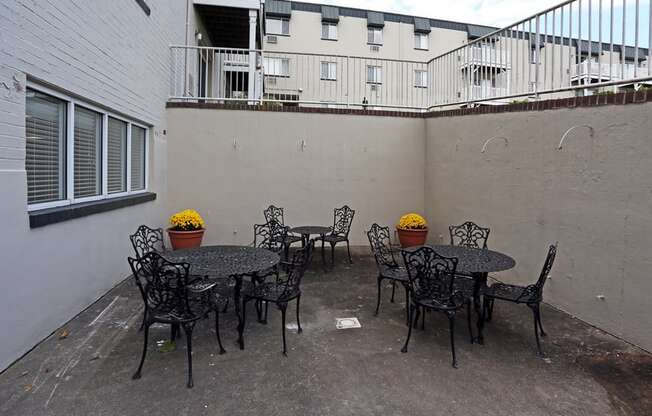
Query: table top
[[474, 260], [225, 261], [310, 229]]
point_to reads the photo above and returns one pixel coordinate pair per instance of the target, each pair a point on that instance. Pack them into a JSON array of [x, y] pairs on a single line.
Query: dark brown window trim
[[49, 216]]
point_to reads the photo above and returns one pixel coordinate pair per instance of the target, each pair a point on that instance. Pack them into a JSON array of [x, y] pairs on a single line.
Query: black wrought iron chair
[[342, 219], [285, 288], [274, 214], [530, 295], [432, 279], [171, 301], [469, 234], [388, 267], [270, 236], [147, 239]]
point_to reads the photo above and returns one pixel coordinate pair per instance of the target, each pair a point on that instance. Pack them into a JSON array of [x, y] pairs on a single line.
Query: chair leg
[[283, 311], [535, 313], [217, 331], [543, 333], [226, 305], [491, 310], [266, 309], [244, 321], [299, 330], [187, 328], [451, 322], [393, 290], [380, 281], [407, 303], [415, 321], [142, 324], [332, 254], [136, 376], [411, 314], [423, 320], [348, 249], [174, 331], [468, 319]]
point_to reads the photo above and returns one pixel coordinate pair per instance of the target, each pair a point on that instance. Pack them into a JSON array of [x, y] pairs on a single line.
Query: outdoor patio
[[85, 367]]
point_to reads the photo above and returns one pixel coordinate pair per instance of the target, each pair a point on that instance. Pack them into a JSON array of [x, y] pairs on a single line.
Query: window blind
[[88, 153], [137, 158], [45, 157], [117, 156]]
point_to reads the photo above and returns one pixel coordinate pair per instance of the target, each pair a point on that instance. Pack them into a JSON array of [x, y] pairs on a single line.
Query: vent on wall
[[374, 87], [272, 39], [271, 80], [374, 48]]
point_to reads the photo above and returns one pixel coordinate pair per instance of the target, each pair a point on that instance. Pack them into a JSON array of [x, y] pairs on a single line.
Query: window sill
[[49, 216], [329, 39], [286, 35], [422, 49], [374, 44]]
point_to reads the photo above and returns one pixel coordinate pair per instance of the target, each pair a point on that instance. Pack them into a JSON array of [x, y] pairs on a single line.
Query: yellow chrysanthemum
[[187, 220], [412, 221]]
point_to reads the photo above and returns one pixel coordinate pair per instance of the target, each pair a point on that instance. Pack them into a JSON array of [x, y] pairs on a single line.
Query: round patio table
[[477, 263], [307, 230], [223, 262]]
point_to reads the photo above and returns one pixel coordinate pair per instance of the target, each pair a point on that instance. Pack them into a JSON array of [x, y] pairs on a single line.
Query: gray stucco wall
[[594, 196], [107, 52], [230, 165]]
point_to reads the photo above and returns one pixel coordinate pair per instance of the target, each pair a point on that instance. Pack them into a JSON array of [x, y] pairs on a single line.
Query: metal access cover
[[347, 323]]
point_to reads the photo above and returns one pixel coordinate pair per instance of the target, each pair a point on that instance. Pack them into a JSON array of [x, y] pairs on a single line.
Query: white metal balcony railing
[[544, 54]]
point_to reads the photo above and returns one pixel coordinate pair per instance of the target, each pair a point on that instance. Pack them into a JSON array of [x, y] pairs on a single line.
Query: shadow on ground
[[87, 371]]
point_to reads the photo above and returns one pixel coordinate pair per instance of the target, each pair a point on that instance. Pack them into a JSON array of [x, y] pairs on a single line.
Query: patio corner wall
[[231, 164], [594, 196]]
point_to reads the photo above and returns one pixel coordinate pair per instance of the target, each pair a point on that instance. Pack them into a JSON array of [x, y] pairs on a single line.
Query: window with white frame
[[328, 71], [421, 41], [375, 35], [277, 67], [420, 78], [277, 26], [329, 31], [374, 74], [76, 152]]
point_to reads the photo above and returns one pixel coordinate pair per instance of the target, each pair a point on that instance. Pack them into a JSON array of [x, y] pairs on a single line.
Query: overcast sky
[[488, 12]]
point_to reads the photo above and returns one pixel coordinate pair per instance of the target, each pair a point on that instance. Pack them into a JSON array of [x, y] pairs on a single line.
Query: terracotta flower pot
[[185, 239], [411, 238]]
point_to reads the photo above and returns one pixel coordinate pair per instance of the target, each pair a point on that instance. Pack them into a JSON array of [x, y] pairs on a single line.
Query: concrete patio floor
[[329, 371]]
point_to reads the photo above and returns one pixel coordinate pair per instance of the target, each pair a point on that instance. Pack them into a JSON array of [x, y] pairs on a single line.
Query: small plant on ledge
[[412, 230], [186, 229]]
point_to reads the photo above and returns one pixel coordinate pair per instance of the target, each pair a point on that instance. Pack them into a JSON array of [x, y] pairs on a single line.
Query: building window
[[375, 36], [277, 26], [116, 150], [87, 153], [420, 78], [76, 152], [329, 31], [45, 156], [374, 74], [277, 67], [328, 71], [421, 41], [138, 161]]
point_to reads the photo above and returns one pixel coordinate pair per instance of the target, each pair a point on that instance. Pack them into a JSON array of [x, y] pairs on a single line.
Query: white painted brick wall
[[111, 53]]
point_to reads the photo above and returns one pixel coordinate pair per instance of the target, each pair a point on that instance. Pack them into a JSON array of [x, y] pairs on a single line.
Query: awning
[[375, 19], [422, 25], [278, 8], [330, 14], [476, 31]]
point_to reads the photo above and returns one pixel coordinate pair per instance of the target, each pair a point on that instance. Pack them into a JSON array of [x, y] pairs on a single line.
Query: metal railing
[[578, 45]]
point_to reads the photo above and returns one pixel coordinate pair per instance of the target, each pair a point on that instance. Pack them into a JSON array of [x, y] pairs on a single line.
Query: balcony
[[489, 57], [594, 71]]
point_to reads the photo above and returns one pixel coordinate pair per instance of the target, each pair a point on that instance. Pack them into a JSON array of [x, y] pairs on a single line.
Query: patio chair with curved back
[[432, 287], [342, 219], [388, 267], [170, 300], [530, 295]]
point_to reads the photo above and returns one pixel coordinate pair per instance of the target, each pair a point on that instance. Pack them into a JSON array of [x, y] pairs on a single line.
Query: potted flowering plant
[[412, 230], [186, 229]]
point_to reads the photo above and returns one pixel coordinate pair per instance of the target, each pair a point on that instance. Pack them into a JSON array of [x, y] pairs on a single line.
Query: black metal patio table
[[223, 262], [478, 263], [307, 230]]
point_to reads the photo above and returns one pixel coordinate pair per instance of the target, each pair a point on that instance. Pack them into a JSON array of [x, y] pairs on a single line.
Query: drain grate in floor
[[347, 323]]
